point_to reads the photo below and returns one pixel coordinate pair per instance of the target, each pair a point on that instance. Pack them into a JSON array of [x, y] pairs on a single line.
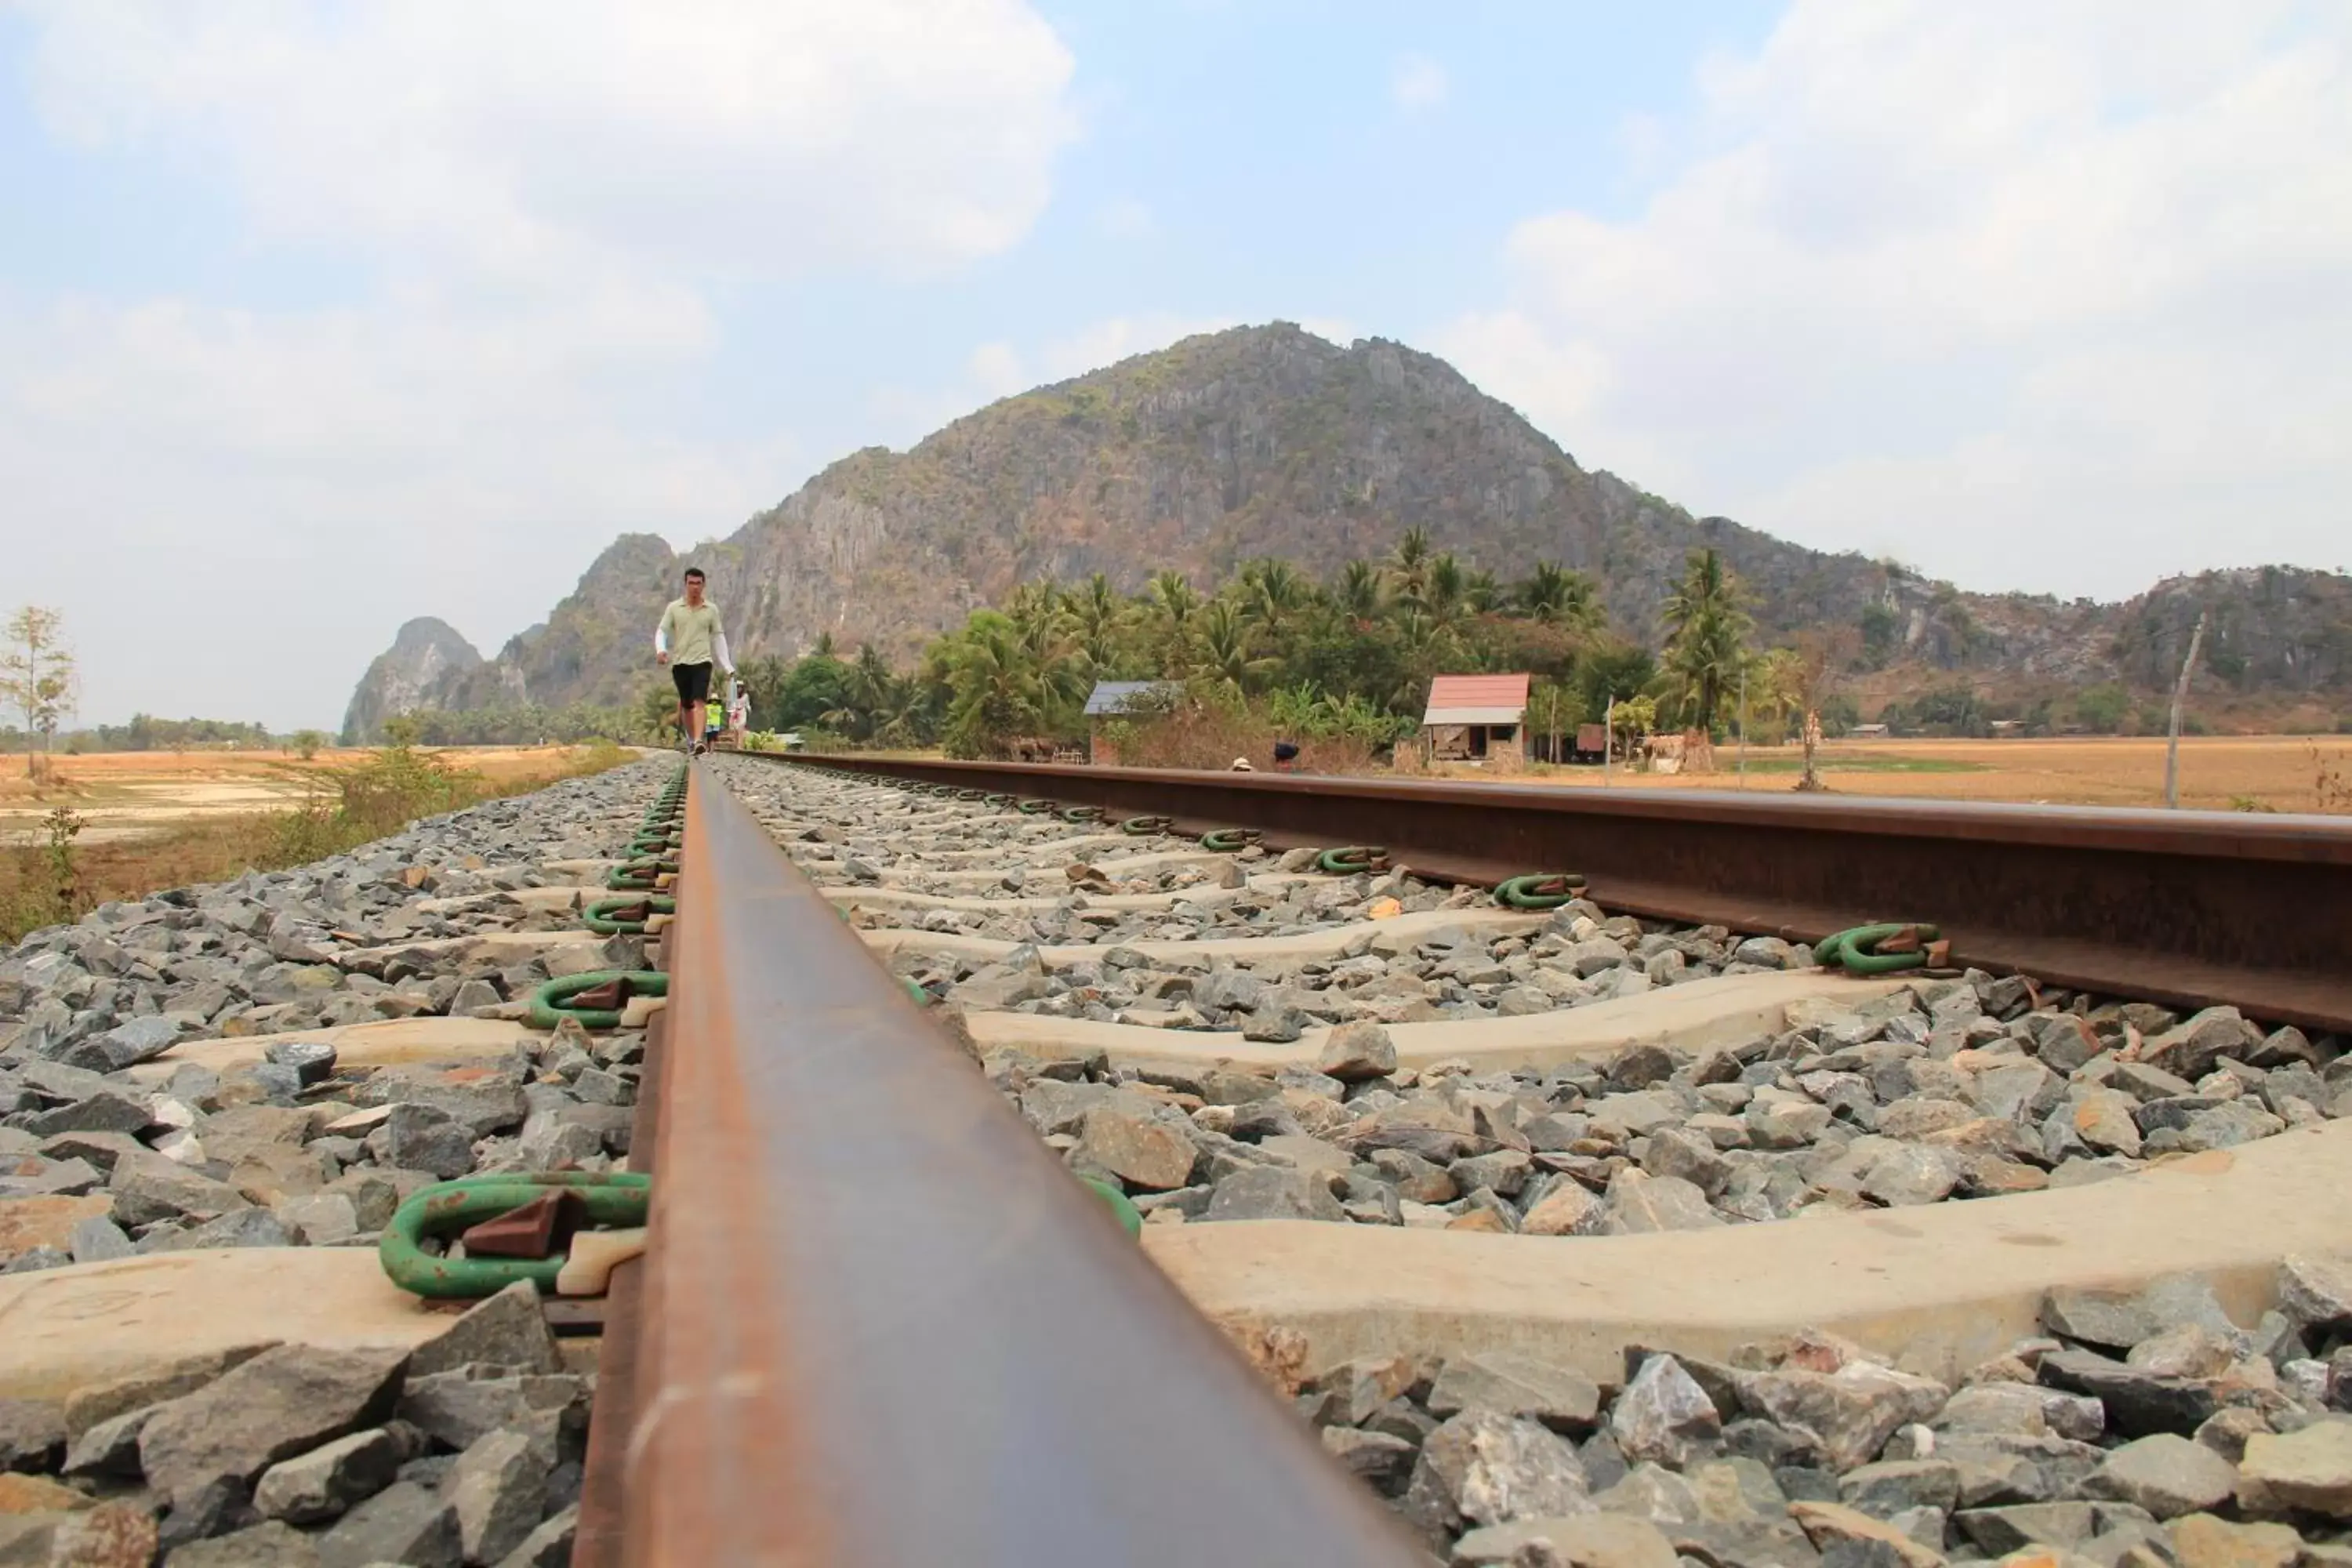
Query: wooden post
[[2172, 737], [1608, 736]]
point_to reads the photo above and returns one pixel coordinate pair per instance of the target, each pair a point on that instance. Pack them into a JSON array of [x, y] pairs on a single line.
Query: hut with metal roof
[[1477, 718]]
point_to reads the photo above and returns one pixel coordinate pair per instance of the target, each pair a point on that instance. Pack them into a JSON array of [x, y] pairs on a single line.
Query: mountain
[[427, 661], [1270, 441]]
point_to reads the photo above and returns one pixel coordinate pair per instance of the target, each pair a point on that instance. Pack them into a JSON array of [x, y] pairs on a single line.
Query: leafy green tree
[[812, 688], [2101, 709], [1617, 671]]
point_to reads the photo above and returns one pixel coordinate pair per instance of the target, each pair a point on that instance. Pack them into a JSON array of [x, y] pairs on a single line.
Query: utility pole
[[1743, 726], [2172, 738], [1608, 736]]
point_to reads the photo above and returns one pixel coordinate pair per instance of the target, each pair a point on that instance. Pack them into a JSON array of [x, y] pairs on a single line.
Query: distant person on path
[[738, 712], [689, 640]]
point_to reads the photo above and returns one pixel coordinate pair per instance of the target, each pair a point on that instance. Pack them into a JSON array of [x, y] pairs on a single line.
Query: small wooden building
[[1477, 718]]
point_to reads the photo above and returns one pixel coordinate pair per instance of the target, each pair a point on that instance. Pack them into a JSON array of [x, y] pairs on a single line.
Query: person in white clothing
[[738, 712], [689, 641]]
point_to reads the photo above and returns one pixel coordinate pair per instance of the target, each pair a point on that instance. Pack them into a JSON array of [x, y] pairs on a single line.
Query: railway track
[[1612, 1231]]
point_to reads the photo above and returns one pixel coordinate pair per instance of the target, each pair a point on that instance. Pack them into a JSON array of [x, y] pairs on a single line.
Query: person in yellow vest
[[689, 641]]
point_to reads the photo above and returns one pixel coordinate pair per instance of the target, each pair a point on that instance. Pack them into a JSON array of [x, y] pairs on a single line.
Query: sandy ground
[[2275, 772], [126, 794]]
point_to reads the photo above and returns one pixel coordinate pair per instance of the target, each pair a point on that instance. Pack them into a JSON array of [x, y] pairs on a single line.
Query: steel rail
[[2187, 908], [880, 1324]]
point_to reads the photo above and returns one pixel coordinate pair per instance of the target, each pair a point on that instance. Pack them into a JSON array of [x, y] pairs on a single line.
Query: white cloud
[[236, 507], [2059, 308], [1419, 82], [236, 511], [721, 135]]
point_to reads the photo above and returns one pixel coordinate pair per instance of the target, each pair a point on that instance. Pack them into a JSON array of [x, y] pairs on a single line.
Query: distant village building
[[1867, 732], [1113, 700], [1477, 718]]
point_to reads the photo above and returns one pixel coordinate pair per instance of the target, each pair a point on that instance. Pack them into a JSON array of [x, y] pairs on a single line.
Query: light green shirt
[[691, 632]]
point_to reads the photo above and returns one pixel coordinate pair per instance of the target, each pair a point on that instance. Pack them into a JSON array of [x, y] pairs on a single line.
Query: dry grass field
[[2218, 773], [129, 794], [122, 824]]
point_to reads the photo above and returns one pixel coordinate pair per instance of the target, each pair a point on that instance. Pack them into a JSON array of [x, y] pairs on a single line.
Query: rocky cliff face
[[595, 647], [1270, 441], [427, 663]]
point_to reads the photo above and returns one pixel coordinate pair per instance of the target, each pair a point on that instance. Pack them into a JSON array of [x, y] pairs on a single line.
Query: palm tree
[[1001, 688], [1554, 594], [1442, 596], [1481, 593], [823, 648], [1099, 617], [1707, 644], [871, 698], [1272, 592], [1408, 563], [1171, 602], [1221, 655], [1360, 593]]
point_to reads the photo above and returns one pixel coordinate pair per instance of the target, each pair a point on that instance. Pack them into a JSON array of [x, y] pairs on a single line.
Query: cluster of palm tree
[[1371, 637], [1359, 647]]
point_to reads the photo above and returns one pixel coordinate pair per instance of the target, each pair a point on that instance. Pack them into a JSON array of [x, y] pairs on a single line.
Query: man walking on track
[[689, 640]]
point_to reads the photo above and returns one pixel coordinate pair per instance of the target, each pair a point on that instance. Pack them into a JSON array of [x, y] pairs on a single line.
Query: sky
[[317, 317]]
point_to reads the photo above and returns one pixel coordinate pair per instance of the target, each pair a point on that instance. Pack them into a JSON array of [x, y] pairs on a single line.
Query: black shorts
[[693, 681]]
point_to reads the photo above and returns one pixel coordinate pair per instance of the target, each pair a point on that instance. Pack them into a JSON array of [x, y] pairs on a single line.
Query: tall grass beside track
[[56, 881]]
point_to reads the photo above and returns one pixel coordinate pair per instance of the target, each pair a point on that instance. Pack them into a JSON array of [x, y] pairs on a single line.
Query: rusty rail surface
[[878, 1323], [2187, 908]]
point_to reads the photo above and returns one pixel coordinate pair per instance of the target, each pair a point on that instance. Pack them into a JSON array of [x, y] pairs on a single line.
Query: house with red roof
[[1477, 718]]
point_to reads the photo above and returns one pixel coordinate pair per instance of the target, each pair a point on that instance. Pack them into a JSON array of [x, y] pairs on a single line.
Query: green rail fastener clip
[[548, 1004], [971, 794], [1130, 1218], [1034, 807], [1082, 813], [1881, 949], [1355, 861], [997, 800], [1137, 826], [1540, 890], [607, 916], [1230, 840], [614, 1200]]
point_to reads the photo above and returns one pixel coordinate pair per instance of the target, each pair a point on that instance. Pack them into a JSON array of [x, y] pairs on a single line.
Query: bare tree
[[36, 677], [1822, 657]]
